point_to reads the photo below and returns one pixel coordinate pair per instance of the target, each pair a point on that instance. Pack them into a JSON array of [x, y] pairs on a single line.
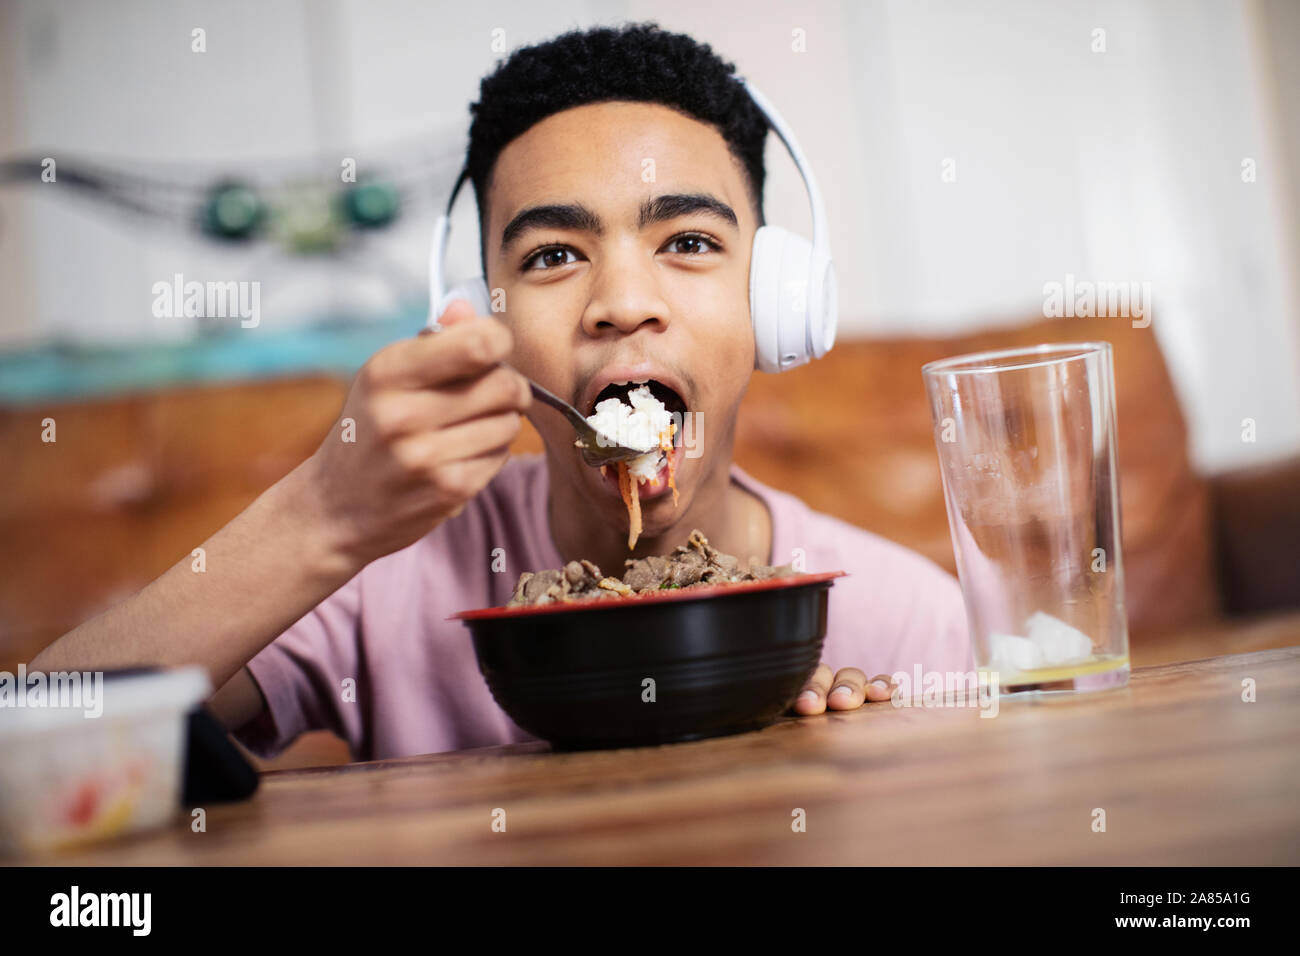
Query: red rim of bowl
[[652, 597]]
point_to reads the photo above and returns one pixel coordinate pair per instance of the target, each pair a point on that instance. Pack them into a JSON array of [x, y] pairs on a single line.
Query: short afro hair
[[635, 62]]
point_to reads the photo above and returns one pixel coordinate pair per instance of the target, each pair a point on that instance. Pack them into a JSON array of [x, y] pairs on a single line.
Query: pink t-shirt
[[416, 687]]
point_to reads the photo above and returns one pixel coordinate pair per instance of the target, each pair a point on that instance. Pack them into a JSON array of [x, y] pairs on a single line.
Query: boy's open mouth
[[653, 474], [665, 393]]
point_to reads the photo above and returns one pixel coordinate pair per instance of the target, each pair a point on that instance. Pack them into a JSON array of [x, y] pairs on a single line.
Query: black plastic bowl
[[655, 668]]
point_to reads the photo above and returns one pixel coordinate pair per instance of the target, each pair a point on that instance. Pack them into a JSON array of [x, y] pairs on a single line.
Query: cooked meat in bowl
[[694, 564]]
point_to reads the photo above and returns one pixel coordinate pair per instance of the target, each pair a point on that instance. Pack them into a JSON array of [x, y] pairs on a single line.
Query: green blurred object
[[233, 211], [306, 219], [371, 204]]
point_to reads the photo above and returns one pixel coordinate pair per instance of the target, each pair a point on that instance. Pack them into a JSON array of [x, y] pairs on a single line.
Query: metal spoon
[[597, 448]]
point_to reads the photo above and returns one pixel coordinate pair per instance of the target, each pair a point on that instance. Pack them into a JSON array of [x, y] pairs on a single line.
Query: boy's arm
[[238, 701], [263, 571], [431, 420]]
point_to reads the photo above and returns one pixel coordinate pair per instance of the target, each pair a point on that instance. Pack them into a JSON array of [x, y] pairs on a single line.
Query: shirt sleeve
[[302, 675]]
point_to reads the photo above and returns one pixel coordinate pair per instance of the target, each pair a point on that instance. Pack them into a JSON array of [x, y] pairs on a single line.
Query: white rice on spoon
[[637, 425]]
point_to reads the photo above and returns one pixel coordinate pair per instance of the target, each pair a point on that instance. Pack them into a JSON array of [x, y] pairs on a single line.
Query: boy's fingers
[[812, 699], [880, 687], [462, 442], [458, 310], [849, 689], [401, 412], [462, 351]]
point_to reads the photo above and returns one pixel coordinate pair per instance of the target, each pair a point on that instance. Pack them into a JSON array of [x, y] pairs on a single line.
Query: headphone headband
[[455, 190], [786, 135]]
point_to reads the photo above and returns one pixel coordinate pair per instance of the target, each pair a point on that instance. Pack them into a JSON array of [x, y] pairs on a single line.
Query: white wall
[[1110, 166]]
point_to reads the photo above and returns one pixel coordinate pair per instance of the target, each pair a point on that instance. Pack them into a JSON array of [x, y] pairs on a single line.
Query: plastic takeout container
[[67, 778]]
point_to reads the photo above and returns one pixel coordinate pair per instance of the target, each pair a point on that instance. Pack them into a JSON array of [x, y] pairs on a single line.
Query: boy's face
[[620, 234]]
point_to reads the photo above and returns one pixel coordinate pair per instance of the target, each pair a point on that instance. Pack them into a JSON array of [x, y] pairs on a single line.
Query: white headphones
[[792, 294]]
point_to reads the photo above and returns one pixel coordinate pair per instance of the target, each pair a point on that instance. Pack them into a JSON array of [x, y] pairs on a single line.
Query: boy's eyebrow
[[553, 216], [578, 217], [672, 205]]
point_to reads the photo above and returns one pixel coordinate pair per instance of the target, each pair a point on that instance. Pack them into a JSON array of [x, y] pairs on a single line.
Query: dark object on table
[[215, 770], [661, 667]]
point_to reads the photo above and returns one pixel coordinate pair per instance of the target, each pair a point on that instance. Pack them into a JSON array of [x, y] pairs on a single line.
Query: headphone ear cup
[[474, 291], [781, 297], [825, 317]]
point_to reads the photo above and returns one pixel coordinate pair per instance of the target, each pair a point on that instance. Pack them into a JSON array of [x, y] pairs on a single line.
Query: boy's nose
[[624, 297]]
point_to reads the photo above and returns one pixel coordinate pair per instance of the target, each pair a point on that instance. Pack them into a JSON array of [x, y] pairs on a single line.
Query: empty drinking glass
[[1026, 441]]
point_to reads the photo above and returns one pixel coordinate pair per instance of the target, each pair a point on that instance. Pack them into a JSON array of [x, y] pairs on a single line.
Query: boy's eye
[[690, 245], [550, 258]]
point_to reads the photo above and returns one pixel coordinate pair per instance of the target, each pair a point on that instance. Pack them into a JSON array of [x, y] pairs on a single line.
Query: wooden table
[[1185, 770]]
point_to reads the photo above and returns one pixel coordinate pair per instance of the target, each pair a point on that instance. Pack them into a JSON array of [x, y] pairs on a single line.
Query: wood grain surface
[[1185, 770]]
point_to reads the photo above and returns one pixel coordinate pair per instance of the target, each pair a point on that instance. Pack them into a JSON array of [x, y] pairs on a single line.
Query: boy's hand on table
[[845, 689]]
